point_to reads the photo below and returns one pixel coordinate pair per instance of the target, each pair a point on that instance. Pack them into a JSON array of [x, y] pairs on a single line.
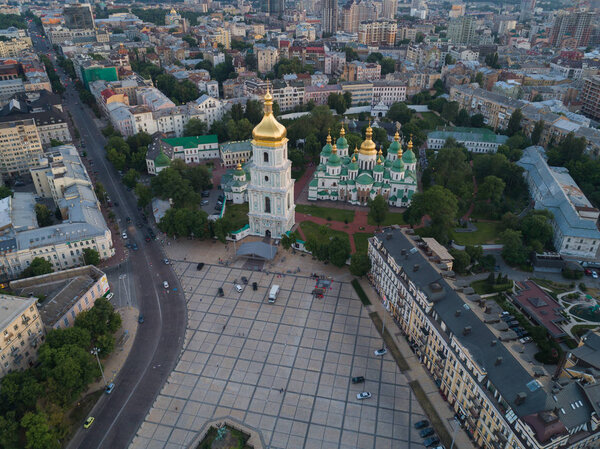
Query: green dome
[[326, 151], [342, 142], [162, 160], [334, 160], [398, 165], [378, 169], [387, 163], [409, 157], [365, 179], [321, 167], [394, 147]]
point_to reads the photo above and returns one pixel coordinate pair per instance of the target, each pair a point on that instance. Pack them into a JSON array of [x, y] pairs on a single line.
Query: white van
[[273, 293]]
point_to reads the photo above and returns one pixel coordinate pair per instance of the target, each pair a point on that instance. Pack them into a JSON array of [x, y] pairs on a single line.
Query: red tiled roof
[[107, 93], [541, 307]]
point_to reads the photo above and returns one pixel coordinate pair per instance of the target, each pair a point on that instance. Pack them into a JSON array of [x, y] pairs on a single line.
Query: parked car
[[363, 395], [199, 266], [109, 388], [244, 280], [431, 441], [421, 424], [587, 272], [358, 380], [141, 319], [381, 351], [88, 422], [525, 340], [134, 247], [165, 284], [124, 235], [507, 318], [239, 288], [205, 194], [254, 286], [110, 296], [513, 323], [426, 432], [221, 291], [203, 202], [166, 261], [594, 274], [147, 238]]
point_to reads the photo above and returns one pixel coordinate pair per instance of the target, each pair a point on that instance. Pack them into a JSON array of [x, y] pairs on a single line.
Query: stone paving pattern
[[282, 369]]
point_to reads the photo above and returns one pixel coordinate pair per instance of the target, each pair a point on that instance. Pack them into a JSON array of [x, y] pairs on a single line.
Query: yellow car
[[88, 422]]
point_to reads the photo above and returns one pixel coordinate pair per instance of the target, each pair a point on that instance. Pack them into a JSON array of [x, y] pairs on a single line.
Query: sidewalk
[[416, 370]]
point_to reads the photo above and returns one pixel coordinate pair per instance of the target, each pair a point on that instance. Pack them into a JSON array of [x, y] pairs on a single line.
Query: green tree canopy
[[440, 205], [195, 127], [399, 112], [514, 123], [360, 264], [339, 251], [91, 256], [378, 208], [37, 267], [513, 251], [43, 215]]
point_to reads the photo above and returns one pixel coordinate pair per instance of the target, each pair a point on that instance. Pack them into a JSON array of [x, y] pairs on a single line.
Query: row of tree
[[34, 403]]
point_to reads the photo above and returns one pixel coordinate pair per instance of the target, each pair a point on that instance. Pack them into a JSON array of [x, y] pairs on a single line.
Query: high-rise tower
[[330, 18]]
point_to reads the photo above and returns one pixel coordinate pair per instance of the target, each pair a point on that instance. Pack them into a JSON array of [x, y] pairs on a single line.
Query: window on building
[[267, 205], [266, 156]]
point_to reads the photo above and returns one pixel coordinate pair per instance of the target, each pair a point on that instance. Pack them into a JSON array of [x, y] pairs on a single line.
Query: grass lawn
[[326, 212], [556, 287], [390, 344], [311, 229], [360, 241], [487, 232], [391, 218], [433, 118], [237, 214], [431, 412], [77, 415], [482, 287]]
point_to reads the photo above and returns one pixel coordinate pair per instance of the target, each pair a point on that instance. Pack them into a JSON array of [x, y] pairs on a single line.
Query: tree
[[420, 37], [388, 65], [130, 178], [360, 264], [439, 87], [451, 170], [9, 431], [37, 267], [569, 150], [351, 54], [339, 251], [99, 320], [536, 134], [78, 336], [399, 112], [91, 256], [378, 208], [195, 127], [55, 143], [477, 121], [183, 222], [440, 205], [43, 215], [513, 251], [474, 252], [450, 111], [462, 260], [536, 227], [144, 194], [491, 189], [479, 79], [514, 123], [4, 192], [287, 241], [38, 433], [237, 111], [254, 111], [337, 102], [463, 118], [100, 192], [449, 60]]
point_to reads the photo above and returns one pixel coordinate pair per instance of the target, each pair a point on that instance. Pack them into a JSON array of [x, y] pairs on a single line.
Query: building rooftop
[[241, 145], [61, 290], [541, 307], [461, 134], [12, 307], [191, 141]]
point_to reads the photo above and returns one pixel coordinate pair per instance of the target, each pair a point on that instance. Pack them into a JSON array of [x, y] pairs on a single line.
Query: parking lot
[[281, 370], [209, 208]]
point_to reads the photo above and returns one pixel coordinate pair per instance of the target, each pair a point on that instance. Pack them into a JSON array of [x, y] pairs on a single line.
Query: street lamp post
[[95, 351]]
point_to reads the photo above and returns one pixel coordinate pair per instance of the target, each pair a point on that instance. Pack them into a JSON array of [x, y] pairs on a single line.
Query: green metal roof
[[191, 141], [162, 160], [365, 179], [462, 134], [409, 157], [313, 183], [236, 147]]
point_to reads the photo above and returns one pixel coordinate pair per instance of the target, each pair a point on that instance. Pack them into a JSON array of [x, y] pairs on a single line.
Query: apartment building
[[22, 332], [362, 92], [590, 97], [475, 140], [389, 92], [356, 11], [319, 94], [234, 153], [288, 95], [574, 221], [380, 32], [462, 30], [13, 47], [266, 57], [361, 71], [495, 396], [571, 29], [67, 293], [20, 146], [495, 108]]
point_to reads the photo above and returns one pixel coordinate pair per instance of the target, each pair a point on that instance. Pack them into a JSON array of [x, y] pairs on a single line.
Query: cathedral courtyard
[[280, 371]]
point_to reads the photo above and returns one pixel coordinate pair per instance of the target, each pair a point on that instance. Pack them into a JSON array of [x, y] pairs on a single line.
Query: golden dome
[[239, 166], [410, 144], [329, 137], [355, 150], [173, 11], [334, 149], [368, 146], [342, 132], [269, 132]]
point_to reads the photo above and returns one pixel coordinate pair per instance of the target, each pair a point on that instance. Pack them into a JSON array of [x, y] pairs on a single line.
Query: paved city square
[[283, 370]]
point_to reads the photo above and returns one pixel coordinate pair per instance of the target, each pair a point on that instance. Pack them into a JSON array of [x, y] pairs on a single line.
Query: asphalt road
[[159, 339]]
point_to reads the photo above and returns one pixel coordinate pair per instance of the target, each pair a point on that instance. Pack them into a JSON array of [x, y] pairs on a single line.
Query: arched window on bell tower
[[267, 204], [266, 157]]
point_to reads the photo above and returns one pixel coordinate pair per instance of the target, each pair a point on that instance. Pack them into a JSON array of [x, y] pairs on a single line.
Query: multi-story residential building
[[288, 95], [266, 57], [495, 108], [590, 97], [60, 175], [495, 396], [273, 8], [154, 99], [380, 32], [527, 8], [171, 121], [571, 29], [334, 63], [356, 11], [462, 30], [306, 31], [330, 16], [389, 10], [20, 146], [223, 37], [319, 94], [191, 150], [362, 92], [475, 140], [389, 92], [208, 109], [10, 87], [22, 331], [13, 47], [67, 293], [576, 234], [361, 71]]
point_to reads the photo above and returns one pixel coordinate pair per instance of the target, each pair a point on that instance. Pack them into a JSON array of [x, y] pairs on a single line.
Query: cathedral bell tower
[[271, 189]]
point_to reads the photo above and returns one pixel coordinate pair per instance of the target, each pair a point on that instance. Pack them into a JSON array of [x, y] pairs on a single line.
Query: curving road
[[159, 339]]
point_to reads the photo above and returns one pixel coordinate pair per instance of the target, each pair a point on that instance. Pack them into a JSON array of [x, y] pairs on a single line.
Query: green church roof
[[365, 179], [409, 157], [162, 160]]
